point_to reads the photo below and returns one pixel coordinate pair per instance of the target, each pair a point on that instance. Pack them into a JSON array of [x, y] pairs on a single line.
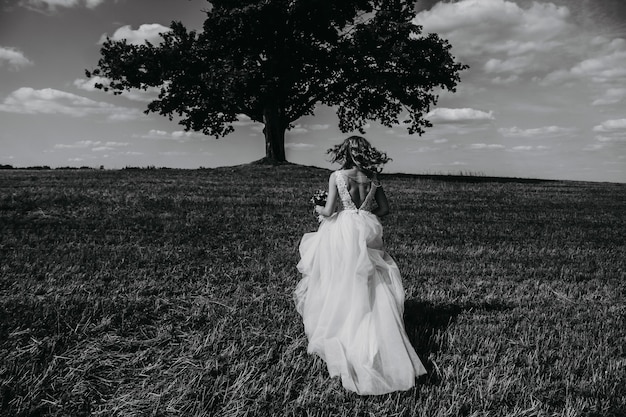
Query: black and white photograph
[[313, 208]]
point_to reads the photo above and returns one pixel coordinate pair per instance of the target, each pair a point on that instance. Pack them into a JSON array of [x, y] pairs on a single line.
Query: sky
[[545, 95]]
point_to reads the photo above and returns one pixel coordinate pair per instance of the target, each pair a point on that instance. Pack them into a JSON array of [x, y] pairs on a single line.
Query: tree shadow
[[426, 323]]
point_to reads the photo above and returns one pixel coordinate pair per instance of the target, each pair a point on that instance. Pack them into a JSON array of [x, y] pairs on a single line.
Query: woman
[[351, 297]]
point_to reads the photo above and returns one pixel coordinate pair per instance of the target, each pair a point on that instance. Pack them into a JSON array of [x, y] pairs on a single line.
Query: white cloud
[[117, 144], [299, 146], [81, 144], [96, 146], [611, 132], [423, 149], [601, 138], [486, 27], [507, 42], [146, 32], [159, 133], [27, 100], [599, 60], [516, 65], [464, 115], [318, 126], [120, 116], [52, 5], [486, 146], [93, 3], [143, 96], [611, 96], [90, 83], [454, 163], [174, 153], [298, 129], [540, 132], [603, 68], [178, 135], [611, 126], [502, 15], [522, 148], [14, 57], [504, 81]]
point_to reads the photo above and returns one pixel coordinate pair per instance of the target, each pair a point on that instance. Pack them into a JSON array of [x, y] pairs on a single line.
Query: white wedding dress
[[351, 300]]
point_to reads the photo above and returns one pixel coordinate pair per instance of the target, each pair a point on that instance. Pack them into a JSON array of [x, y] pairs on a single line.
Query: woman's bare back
[[359, 185]]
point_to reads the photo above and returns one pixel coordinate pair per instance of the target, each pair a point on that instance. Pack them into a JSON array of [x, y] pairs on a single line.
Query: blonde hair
[[356, 151]]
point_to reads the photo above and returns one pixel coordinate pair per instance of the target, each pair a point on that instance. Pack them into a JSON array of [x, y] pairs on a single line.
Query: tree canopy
[[275, 60]]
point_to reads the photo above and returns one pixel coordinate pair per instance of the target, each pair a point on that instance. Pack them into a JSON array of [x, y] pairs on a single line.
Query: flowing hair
[[356, 151]]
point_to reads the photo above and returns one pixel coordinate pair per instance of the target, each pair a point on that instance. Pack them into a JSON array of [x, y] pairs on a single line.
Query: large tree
[[275, 60]]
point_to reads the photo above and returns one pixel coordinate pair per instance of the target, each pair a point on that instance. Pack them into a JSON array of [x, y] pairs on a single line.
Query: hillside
[[168, 293]]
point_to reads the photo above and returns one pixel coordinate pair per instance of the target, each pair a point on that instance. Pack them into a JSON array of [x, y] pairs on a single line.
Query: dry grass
[[168, 293]]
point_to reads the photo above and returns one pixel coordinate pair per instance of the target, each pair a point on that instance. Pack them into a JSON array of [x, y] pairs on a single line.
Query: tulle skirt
[[351, 300]]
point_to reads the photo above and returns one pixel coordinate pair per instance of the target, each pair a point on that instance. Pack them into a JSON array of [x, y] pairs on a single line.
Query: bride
[[351, 297]]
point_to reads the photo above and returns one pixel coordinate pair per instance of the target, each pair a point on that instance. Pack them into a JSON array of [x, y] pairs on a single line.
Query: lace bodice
[[345, 199]]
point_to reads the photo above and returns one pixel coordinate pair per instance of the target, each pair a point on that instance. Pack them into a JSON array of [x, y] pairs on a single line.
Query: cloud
[[479, 28], [423, 149], [611, 126], [174, 153], [96, 146], [306, 128], [52, 5], [506, 42], [146, 32], [525, 148], [143, 96], [604, 67], [454, 163], [14, 57], [299, 146], [178, 135], [26, 100], [243, 120], [318, 126], [81, 144], [610, 132], [611, 96], [504, 81], [516, 65], [298, 129], [602, 138], [599, 60], [464, 115], [540, 132], [486, 146]]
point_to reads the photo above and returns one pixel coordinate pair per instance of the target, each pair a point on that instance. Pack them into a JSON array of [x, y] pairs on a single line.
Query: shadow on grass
[[426, 324]]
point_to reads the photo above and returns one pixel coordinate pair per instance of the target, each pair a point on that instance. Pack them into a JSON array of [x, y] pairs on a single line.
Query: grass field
[[168, 293]]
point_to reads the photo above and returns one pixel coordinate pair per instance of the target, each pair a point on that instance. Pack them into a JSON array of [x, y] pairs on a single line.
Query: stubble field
[[168, 293]]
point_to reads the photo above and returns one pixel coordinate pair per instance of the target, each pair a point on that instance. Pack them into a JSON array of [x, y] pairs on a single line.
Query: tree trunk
[[274, 131]]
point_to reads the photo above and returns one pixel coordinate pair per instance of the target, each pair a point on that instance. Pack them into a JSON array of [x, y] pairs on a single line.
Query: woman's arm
[[381, 201], [331, 200]]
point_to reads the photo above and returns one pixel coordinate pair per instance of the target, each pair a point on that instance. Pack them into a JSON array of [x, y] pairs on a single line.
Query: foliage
[[168, 293], [274, 61]]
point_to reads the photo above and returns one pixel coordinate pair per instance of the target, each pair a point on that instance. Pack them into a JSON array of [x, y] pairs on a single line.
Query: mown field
[[168, 293]]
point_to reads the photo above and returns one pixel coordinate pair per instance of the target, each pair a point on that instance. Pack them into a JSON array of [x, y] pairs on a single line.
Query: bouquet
[[319, 198]]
